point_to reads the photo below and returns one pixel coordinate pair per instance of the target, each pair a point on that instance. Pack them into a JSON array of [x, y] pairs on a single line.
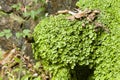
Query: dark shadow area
[[81, 72]]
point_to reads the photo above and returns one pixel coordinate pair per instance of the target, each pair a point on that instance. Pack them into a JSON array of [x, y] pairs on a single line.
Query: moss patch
[[62, 44], [108, 54]]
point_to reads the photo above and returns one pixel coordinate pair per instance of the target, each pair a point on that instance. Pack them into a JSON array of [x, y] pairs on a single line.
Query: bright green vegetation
[[107, 55], [64, 46], [2, 13], [31, 13], [7, 33]]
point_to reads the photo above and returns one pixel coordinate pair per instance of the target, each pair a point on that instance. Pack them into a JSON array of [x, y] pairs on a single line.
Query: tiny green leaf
[[16, 6], [26, 32], [17, 60], [2, 34], [18, 34], [7, 31], [8, 35]]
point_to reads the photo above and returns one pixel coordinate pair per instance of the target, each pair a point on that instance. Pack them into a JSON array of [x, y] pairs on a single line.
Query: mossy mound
[[62, 44]]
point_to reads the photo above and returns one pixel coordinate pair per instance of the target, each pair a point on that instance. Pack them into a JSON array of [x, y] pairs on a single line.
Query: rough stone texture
[[7, 23], [13, 19], [6, 4], [10, 20], [55, 5]]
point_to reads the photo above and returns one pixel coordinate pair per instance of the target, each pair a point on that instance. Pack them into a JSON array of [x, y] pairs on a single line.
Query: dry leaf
[[8, 56], [87, 11], [80, 15], [91, 17], [72, 18]]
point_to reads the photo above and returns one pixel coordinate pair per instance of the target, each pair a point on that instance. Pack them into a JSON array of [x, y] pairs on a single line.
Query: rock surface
[[14, 20]]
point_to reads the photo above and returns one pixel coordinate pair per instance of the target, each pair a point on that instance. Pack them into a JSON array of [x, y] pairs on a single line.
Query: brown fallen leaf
[[80, 15], [7, 56], [72, 18], [99, 25], [87, 11], [91, 17]]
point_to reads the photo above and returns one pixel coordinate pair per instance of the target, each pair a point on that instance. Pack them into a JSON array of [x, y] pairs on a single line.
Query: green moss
[[62, 74], [62, 44], [108, 54], [2, 13]]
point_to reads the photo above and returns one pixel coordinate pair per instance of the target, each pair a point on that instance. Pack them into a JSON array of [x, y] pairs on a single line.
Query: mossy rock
[[108, 54], [62, 44]]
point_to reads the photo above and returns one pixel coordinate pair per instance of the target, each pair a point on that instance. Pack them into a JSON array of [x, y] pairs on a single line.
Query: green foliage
[[6, 32], [33, 13], [107, 55], [17, 6], [1, 78], [63, 43], [2, 13], [27, 11], [60, 75], [25, 32], [60, 41], [0, 54]]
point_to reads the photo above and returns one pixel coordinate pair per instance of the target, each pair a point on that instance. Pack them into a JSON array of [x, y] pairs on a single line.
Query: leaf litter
[[14, 62], [89, 15]]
